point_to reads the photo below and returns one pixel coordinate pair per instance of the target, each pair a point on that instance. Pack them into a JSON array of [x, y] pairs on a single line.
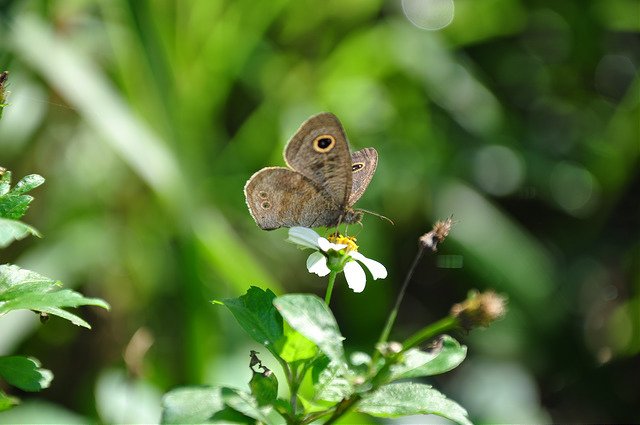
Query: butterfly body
[[320, 186]]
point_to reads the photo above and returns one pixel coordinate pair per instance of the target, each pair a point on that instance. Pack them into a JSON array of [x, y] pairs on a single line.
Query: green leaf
[[246, 404], [296, 347], [408, 398], [24, 373], [14, 206], [309, 315], [231, 416], [13, 230], [5, 183], [14, 202], [255, 312], [191, 405], [445, 357], [24, 289], [263, 384], [333, 383], [264, 387], [27, 183], [6, 402]]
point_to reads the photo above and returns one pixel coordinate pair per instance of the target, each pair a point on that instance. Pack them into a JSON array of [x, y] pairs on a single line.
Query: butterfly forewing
[[319, 150]]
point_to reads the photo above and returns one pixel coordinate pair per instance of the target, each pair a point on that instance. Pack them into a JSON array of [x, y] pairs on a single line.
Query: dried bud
[[4, 75], [359, 380], [480, 309], [388, 349], [254, 360], [4, 94], [437, 234]]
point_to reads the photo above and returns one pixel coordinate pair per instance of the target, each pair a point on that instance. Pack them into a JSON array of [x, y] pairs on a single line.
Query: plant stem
[[343, 407], [394, 313], [332, 281], [293, 387], [291, 381], [431, 331]]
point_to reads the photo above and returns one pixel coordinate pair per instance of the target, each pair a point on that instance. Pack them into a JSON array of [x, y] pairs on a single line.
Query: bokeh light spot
[[498, 170], [572, 187], [429, 14], [614, 75]]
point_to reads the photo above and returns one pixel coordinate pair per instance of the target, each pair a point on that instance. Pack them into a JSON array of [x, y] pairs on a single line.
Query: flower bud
[[480, 309], [437, 234], [388, 349]]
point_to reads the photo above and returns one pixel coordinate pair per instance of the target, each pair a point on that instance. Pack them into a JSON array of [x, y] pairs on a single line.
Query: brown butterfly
[[321, 184]]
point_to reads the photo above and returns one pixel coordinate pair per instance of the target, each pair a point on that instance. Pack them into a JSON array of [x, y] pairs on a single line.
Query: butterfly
[[320, 184]]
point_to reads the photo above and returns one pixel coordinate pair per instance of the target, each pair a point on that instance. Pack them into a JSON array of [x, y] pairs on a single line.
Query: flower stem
[[332, 281], [431, 331], [394, 313]]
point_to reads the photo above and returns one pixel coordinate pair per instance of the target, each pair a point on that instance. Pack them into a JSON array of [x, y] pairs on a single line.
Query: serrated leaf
[[14, 206], [13, 230], [309, 315], [255, 312], [6, 402], [408, 398], [5, 183], [415, 363], [27, 183], [14, 202], [24, 373], [25, 289], [191, 405]]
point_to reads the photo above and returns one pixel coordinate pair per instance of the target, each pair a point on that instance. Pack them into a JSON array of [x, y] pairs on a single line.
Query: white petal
[[317, 263], [356, 278], [378, 271], [304, 236], [325, 245]]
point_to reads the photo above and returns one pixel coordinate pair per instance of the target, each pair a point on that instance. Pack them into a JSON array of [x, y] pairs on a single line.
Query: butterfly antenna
[[361, 228], [377, 215]]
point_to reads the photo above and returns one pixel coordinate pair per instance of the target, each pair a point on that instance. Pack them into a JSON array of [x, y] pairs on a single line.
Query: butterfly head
[[352, 216]]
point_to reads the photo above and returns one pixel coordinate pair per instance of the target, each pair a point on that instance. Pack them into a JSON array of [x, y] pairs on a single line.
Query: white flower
[[340, 254]]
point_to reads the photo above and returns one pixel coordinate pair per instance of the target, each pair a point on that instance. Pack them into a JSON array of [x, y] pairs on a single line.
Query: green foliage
[[24, 373], [6, 402], [310, 316], [13, 205], [416, 363], [191, 405], [264, 386], [258, 317], [14, 202], [212, 404], [14, 230], [338, 385], [25, 289], [408, 398]]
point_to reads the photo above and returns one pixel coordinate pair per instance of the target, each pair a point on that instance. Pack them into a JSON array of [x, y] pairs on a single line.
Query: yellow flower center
[[349, 241]]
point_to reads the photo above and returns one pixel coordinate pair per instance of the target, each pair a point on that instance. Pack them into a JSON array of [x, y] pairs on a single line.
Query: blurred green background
[[147, 117]]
